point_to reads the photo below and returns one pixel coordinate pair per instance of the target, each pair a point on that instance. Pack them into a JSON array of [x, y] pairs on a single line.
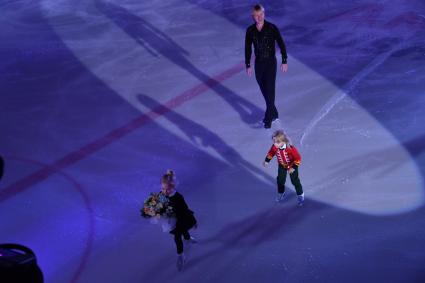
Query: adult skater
[[263, 35]]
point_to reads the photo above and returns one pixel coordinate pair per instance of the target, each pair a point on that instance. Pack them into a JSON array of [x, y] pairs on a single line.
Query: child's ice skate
[[301, 200], [192, 240], [279, 197], [181, 260]]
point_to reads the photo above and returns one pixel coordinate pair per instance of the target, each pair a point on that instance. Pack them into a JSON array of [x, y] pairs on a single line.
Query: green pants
[[295, 180]]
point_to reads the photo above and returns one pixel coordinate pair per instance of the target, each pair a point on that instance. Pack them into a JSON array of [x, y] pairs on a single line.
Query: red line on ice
[[90, 148]]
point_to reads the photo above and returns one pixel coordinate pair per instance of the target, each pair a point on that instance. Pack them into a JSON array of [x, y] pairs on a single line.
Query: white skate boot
[[181, 260], [301, 199], [192, 240], [279, 197]]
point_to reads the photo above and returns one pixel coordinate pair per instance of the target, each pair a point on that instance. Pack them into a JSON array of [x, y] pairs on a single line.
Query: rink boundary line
[[92, 147]]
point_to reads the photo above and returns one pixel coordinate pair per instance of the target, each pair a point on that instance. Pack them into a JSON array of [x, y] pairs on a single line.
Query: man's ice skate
[[181, 260], [279, 197], [259, 124], [301, 200]]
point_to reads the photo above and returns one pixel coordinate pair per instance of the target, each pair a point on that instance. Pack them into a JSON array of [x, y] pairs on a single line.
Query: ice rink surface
[[99, 98]]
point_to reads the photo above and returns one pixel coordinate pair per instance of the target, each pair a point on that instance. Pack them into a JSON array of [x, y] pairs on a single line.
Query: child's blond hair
[[280, 136], [170, 178]]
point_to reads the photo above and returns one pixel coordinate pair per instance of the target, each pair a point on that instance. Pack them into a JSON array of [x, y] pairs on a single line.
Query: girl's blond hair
[[169, 177]]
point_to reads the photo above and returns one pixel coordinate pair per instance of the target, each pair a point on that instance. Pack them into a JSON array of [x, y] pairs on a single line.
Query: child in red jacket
[[288, 159]]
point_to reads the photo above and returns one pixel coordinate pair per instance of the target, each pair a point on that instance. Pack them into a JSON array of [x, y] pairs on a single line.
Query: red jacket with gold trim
[[288, 156]]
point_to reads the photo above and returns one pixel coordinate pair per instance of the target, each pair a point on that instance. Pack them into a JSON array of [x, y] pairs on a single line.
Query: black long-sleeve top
[[264, 43], [180, 208], [184, 216]]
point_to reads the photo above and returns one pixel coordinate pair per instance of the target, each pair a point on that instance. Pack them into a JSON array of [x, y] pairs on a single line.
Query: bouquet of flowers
[[157, 205]]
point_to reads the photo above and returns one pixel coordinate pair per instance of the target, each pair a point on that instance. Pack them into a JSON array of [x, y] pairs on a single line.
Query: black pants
[[295, 180], [178, 239], [265, 74], [1, 167]]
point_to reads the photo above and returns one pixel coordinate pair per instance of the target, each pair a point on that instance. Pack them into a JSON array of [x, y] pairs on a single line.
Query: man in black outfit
[[263, 35]]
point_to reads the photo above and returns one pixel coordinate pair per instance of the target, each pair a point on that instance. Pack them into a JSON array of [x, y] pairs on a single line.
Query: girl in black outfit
[[185, 220]]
